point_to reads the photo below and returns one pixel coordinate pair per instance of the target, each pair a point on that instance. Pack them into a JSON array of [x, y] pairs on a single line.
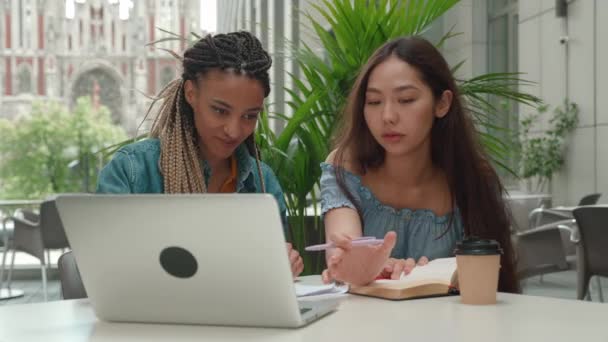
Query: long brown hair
[[174, 125], [474, 185]]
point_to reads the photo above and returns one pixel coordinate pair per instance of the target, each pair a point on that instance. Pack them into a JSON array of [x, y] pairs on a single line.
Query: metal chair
[[551, 244], [541, 250], [589, 199], [71, 283], [592, 255], [36, 235]]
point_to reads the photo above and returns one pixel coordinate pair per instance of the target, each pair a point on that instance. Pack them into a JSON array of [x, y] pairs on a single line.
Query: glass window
[[497, 5], [24, 80], [434, 32], [166, 75], [502, 57], [27, 25], [498, 39]]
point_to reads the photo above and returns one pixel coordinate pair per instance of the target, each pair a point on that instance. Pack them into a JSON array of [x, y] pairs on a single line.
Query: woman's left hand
[[394, 267], [295, 260]]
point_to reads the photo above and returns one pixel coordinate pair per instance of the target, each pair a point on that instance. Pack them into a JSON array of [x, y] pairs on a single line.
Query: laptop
[[213, 259]]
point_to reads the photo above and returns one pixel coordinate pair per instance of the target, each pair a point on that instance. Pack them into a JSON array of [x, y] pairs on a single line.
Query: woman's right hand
[[357, 265]]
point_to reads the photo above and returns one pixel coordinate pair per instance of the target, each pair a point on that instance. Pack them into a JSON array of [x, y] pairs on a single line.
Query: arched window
[[24, 80], [105, 85]]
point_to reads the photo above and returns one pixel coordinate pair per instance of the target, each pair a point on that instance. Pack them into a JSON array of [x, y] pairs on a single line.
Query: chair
[[37, 234], [592, 254], [520, 208], [537, 239], [541, 250], [549, 245], [589, 199], [7, 237], [71, 283]]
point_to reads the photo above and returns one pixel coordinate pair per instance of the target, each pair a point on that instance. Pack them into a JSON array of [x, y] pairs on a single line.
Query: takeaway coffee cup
[[478, 264]]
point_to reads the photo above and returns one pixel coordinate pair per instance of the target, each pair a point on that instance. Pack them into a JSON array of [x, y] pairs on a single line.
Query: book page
[[438, 270]]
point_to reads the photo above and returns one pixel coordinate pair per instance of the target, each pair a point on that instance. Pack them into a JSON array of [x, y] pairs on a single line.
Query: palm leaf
[[171, 33], [166, 39]]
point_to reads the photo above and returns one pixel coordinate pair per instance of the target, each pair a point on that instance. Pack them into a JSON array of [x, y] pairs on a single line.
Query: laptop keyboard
[[304, 310]]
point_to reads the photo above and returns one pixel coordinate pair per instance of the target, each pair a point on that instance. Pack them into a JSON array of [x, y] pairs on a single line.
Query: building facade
[[61, 50], [559, 46], [282, 27], [565, 54]]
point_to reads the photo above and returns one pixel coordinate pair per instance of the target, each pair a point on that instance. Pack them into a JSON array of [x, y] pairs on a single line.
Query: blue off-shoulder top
[[420, 232]]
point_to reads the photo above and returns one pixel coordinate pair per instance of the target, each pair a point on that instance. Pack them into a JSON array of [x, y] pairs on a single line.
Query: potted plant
[[542, 154]]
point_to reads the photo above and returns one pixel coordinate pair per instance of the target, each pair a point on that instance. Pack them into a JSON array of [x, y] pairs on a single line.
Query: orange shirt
[[230, 183]]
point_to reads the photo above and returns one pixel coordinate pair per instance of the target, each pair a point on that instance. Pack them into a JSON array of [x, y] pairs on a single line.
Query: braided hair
[[179, 161]]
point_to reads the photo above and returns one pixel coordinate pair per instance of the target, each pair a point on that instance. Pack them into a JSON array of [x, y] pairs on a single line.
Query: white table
[[514, 318]]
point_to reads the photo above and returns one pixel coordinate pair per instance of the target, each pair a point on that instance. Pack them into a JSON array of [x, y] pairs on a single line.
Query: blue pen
[[361, 241]]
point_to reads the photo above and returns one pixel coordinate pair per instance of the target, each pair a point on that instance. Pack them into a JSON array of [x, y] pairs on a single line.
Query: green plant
[[542, 153], [37, 150]]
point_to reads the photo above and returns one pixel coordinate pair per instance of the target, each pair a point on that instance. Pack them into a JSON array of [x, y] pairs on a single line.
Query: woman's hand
[[295, 260], [357, 265], [394, 267]]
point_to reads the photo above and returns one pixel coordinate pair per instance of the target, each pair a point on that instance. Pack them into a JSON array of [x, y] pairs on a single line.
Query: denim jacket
[[135, 169]]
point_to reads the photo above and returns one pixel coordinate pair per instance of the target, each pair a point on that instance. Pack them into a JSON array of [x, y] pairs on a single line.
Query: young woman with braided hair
[[202, 138]]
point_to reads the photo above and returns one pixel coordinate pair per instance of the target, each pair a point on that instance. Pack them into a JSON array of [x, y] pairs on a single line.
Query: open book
[[436, 278]]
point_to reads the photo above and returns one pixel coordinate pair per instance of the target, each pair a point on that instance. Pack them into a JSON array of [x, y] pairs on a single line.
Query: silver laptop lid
[[198, 259]]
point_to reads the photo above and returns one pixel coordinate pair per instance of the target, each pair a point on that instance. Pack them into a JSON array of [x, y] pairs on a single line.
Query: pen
[[361, 241]]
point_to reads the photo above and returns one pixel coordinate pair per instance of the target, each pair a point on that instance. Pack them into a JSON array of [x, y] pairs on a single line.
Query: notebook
[[437, 278], [305, 290]]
